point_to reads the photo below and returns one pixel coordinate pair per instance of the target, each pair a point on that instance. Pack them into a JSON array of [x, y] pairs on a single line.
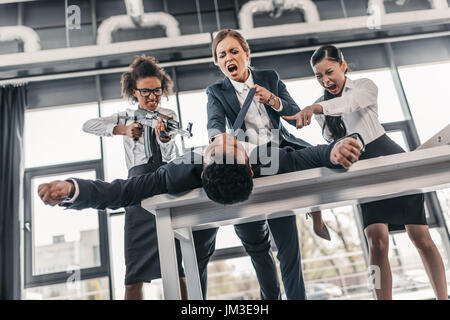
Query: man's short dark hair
[[227, 183]]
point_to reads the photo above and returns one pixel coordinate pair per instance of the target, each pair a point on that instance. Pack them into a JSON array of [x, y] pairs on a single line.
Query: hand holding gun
[[134, 131], [145, 118]]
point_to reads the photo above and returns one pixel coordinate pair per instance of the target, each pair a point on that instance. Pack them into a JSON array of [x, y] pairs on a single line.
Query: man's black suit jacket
[[181, 175]]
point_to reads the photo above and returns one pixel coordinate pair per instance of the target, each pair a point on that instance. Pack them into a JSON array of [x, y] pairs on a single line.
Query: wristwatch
[[359, 139], [272, 100]]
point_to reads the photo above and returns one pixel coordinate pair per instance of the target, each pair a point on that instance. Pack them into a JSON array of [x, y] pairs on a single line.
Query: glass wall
[[426, 89], [61, 240], [92, 289], [54, 136], [62, 247], [193, 109]]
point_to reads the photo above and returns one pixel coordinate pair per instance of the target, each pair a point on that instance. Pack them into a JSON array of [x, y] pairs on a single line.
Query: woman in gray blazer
[[271, 101]]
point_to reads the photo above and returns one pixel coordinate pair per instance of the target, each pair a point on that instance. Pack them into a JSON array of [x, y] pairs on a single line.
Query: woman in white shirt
[[144, 83], [350, 106]]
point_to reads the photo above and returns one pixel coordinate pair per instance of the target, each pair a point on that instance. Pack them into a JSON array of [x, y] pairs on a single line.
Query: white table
[[276, 196]]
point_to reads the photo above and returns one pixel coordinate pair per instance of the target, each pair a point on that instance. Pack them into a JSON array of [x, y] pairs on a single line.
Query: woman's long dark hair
[[334, 123]]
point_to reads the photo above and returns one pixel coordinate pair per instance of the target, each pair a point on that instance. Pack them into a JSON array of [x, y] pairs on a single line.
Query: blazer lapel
[[230, 96]]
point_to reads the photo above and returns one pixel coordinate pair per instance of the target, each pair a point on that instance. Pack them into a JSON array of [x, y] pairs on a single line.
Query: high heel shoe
[[321, 233]]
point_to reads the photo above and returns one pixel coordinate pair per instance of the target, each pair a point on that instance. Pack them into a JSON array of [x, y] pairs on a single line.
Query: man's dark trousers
[[256, 241]]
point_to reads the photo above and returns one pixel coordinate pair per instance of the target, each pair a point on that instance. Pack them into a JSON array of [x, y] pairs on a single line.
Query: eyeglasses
[[147, 92]]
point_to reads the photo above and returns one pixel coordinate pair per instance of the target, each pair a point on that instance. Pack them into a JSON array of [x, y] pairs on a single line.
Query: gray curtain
[[12, 112]]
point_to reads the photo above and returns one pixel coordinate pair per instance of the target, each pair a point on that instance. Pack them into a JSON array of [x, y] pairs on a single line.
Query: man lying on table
[[225, 184]]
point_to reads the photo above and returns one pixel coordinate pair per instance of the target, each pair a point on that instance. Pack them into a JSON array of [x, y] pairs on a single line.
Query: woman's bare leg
[[432, 260], [378, 237]]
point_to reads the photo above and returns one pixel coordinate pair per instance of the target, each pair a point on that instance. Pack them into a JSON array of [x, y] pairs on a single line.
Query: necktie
[[156, 150], [241, 115], [152, 149]]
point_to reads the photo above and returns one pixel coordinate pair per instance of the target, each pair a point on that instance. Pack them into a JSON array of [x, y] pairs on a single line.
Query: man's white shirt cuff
[[76, 194], [281, 106]]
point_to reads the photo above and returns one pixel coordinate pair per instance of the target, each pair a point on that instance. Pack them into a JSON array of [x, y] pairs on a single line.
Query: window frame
[[103, 270]]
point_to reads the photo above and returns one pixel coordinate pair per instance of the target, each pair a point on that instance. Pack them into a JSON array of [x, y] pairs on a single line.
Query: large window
[[91, 289], [66, 251], [305, 92], [54, 136], [389, 107], [61, 239], [193, 109], [334, 269], [426, 90]]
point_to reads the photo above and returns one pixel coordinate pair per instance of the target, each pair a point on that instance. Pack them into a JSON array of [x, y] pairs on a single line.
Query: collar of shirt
[[349, 84], [240, 86]]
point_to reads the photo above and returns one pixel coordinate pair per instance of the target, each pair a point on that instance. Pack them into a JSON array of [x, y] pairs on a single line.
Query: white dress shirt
[[257, 121], [358, 108], [134, 150]]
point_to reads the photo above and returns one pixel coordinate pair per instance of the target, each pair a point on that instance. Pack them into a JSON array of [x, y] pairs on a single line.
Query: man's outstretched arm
[[101, 195], [343, 153]]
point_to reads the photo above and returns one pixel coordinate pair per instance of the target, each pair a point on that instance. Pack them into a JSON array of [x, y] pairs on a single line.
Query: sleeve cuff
[[324, 105], [75, 195], [281, 106], [110, 128]]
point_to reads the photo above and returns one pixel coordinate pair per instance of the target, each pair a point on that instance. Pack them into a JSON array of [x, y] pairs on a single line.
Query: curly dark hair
[[142, 67], [227, 183]]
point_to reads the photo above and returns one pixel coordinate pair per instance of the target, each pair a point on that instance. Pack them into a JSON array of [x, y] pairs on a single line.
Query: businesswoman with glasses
[[145, 83]]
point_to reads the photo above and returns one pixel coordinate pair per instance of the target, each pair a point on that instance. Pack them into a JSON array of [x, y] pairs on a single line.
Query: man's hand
[[55, 192], [161, 127], [345, 152]]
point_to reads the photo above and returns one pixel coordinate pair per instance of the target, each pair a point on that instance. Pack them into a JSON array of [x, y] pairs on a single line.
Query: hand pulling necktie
[[241, 115]]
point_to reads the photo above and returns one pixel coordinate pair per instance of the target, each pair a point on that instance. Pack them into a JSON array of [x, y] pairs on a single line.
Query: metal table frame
[[277, 196]]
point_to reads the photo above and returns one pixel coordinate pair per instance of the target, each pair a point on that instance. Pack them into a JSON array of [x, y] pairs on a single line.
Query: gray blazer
[[223, 106]]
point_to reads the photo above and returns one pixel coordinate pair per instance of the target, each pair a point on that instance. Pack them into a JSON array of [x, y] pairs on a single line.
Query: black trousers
[[256, 241]]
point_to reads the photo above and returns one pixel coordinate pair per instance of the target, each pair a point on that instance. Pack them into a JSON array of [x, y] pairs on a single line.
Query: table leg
[[190, 265], [167, 255]]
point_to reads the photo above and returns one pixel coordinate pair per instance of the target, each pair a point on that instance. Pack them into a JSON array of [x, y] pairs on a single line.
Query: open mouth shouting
[[232, 69], [332, 88]]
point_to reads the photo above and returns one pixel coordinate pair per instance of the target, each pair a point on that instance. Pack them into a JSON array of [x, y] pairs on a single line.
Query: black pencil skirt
[[141, 241], [395, 212]]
